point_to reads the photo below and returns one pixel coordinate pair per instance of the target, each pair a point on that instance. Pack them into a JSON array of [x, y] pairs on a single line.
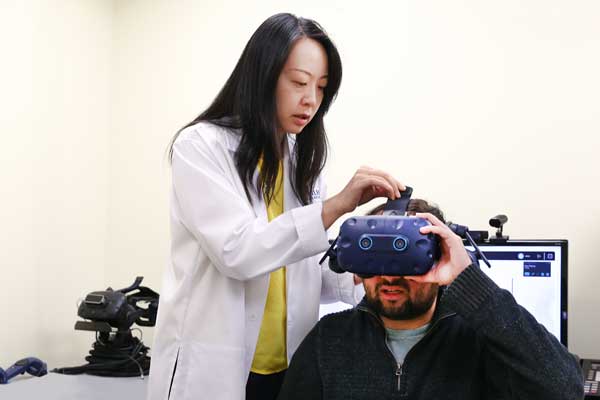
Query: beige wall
[[54, 97], [483, 107]]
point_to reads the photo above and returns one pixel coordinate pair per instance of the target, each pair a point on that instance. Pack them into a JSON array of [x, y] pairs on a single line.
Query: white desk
[[74, 387]]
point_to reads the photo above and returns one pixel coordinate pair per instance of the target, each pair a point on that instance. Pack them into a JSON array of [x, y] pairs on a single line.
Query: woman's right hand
[[366, 184]]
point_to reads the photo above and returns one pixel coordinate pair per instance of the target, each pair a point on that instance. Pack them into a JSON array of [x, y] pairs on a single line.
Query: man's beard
[[411, 308]]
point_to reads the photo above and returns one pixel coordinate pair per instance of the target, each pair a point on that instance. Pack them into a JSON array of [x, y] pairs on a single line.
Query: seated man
[[449, 334]]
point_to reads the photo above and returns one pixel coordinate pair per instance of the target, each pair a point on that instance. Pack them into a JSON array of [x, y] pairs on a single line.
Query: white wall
[[483, 107], [54, 97]]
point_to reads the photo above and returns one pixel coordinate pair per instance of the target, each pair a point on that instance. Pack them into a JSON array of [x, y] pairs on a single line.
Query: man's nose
[[394, 280]]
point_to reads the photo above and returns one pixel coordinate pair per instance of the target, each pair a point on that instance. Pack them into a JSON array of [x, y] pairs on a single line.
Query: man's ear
[[357, 279]]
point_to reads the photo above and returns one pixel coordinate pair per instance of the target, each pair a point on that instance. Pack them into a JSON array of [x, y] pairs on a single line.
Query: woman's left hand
[[366, 184]]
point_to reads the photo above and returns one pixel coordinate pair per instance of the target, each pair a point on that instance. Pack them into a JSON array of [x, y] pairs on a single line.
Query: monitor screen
[[535, 272]]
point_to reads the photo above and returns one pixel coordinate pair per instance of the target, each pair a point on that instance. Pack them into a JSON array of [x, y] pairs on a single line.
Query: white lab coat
[[222, 251]]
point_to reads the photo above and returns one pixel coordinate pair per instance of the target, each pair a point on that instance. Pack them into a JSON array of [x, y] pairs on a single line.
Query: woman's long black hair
[[247, 101]]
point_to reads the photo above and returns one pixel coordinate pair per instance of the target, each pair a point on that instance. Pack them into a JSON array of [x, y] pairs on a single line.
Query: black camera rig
[[111, 313]]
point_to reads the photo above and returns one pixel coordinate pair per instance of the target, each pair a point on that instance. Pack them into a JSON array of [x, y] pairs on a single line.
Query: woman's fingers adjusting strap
[[396, 185]]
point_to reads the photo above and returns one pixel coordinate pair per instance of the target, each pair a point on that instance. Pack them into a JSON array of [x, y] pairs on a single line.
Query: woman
[[248, 221]]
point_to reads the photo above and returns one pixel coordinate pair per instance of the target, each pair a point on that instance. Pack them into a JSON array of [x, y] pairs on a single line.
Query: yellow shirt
[[270, 355]]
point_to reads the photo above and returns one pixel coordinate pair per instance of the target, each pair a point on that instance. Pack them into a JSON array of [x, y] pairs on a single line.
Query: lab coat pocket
[[209, 371]]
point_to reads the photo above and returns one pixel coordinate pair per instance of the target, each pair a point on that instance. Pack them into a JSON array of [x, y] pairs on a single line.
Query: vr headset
[[389, 244], [119, 308]]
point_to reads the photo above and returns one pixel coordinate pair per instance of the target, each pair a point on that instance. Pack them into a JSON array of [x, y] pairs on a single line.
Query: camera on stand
[[498, 222]]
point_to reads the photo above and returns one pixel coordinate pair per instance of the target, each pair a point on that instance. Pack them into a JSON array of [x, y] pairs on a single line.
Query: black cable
[[117, 354], [463, 232], [478, 250]]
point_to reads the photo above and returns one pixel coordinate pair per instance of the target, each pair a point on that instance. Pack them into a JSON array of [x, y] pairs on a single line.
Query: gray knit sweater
[[481, 345]]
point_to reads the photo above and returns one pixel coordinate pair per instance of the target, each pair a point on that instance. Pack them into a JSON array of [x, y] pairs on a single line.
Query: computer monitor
[[535, 272]]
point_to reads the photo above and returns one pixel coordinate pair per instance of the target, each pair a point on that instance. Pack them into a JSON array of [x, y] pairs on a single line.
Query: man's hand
[[454, 258]]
